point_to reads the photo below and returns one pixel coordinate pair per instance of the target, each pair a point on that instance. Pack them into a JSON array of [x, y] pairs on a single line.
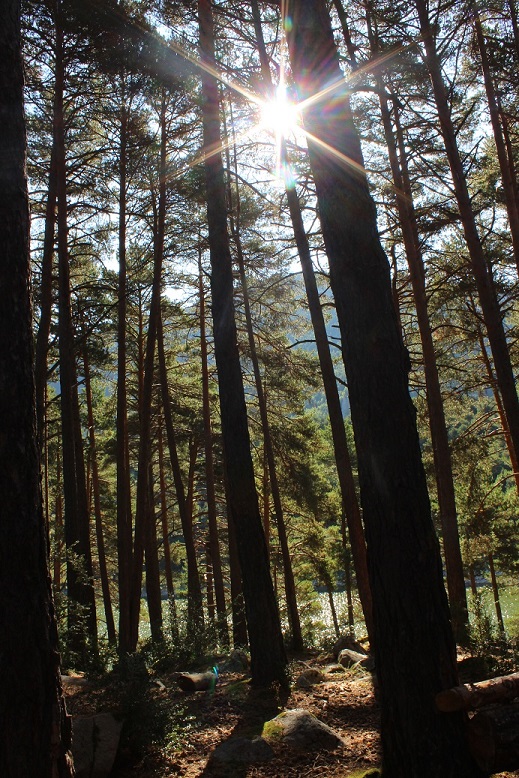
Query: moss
[[272, 730]]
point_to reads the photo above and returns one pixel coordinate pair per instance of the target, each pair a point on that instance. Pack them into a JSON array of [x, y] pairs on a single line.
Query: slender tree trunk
[[403, 552], [495, 592], [213, 545], [268, 659], [153, 592], [342, 456], [58, 530], [195, 616], [484, 283], [143, 510], [80, 592], [101, 554], [239, 621], [124, 514], [288, 574], [502, 156], [46, 285], [164, 517], [35, 731]]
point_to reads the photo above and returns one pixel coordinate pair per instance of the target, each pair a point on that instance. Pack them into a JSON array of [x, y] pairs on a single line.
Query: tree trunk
[[153, 593], [288, 574], [475, 695], [268, 659], [413, 635], [437, 423], [195, 616], [80, 592], [495, 592], [482, 276], [340, 444], [213, 545], [35, 732], [124, 515], [42, 338], [502, 156], [101, 554]]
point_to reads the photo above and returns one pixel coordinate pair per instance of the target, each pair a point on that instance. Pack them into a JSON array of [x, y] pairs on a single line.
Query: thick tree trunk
[[268, 659], [342, 456], [475, 695], [35, 732], [414, 646], [340, 444], [437, 423]]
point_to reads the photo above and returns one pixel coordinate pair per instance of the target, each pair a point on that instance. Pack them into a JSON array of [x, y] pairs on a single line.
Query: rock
[[345, 641], [349, 658], [95, 740], [301, 729], [334, 669], [243, 751], [309, 678], [237, 662]]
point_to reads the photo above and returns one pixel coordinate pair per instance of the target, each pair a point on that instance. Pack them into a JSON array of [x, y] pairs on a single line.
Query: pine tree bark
[[502, 155], [46, 287], [438, 427], [82, 624], [124, 515], [101, 553], [414, 646], [340, 444], [213, 545], [35, 731], [195, 615], [288, 574], [482, 276], [268, 659]]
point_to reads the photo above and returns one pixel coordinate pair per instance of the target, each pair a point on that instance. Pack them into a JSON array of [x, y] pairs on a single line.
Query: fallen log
[[471, 696], [493, 737], [196, 682]]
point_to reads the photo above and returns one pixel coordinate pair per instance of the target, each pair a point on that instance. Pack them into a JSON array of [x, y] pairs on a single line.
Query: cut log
[[196, 682], [493, 736], [471, 696]]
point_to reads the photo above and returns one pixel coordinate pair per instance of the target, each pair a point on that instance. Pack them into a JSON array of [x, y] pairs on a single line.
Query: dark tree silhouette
[[34, 736], [414, 644]]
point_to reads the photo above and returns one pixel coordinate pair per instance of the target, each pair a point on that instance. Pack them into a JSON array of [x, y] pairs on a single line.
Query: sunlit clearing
[[280, 115]]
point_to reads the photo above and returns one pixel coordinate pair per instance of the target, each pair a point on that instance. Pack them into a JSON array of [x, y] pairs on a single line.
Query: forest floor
[[168, 733]]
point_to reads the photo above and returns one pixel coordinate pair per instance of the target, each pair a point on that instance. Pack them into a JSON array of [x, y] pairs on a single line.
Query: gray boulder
[[300, 729], [95, 740], [349, 658]]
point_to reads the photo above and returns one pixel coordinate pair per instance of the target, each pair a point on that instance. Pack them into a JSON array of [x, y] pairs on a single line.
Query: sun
[[280, 115]]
